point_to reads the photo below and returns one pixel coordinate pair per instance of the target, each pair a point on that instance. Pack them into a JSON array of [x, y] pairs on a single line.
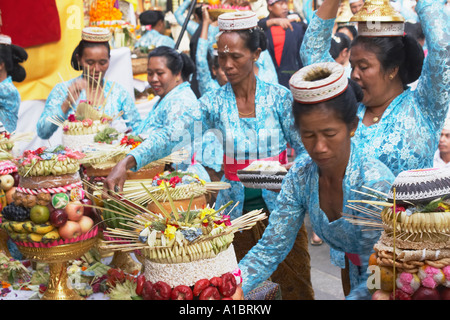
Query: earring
[[352, 134], [391, 76]]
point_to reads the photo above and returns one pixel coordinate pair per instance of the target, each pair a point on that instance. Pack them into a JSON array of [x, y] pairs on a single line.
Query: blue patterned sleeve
[[126, 104], [165, 139], [432, 90], [179, 15], [288, 126], [205, 81], [317, 41], [266, 68], [9, 104], [44, 128], [279, 236]]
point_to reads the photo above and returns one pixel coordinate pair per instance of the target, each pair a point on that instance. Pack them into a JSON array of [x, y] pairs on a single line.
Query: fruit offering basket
[[262, 175], [184, 249], [46, 216], [412, 256]]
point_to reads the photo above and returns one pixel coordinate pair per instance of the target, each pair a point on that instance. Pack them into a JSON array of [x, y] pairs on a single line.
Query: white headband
[[239, 20], [318, 82]]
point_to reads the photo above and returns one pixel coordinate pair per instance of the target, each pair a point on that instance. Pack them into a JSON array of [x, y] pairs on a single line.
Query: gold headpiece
[[94, 34], [377, 18]]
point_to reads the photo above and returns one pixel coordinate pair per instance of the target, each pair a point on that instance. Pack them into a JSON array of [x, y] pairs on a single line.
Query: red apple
[[70, 230], [87, 209], [445, 293], [58, 217], [75, 210], [16, 177], [85, 223], [424, 293], [381, 295], [400, 295]]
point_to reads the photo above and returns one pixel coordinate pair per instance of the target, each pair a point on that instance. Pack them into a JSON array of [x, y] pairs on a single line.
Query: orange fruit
[[373, 259], [387, 279]]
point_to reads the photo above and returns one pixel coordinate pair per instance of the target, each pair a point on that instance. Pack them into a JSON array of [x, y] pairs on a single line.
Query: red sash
[[231, 165]]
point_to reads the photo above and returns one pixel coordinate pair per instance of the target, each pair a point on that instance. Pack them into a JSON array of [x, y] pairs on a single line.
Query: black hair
[[415, 30], [254, 38], [338, 45], [151, 17], [176, 62], [402, 52], [78, 52], [344, 105], [351, 28], [12, 55]]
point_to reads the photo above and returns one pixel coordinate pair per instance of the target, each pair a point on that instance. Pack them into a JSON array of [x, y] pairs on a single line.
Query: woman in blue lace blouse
[[10, 70], [153, 22], [399, 126], [321, 185], [91, 55], [253, 120]]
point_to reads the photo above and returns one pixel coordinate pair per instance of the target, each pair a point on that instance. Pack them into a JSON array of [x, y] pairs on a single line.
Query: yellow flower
[[443, 205], [170, 232], [205, 212]]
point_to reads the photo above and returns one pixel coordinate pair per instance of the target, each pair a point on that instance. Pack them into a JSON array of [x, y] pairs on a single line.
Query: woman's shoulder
[[274, 88]]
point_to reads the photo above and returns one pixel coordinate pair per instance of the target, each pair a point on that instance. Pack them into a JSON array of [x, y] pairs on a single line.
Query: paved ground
[[325, 277]]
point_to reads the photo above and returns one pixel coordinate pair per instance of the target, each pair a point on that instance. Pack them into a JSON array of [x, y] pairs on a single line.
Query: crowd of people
[[340, 110]]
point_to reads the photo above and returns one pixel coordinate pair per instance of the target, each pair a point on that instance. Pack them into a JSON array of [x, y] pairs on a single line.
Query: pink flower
[[66, 128], [72, 118]]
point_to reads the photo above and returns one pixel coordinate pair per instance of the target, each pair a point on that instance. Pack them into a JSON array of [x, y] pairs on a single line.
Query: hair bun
[[414, 57], [359, 95]]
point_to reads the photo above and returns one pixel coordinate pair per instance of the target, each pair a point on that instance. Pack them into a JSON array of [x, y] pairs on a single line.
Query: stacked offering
[[47, 207], [413, 252], [188, 253], [263, 174]]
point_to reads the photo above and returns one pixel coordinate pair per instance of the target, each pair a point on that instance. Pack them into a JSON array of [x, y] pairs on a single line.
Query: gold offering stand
[[57, 257]]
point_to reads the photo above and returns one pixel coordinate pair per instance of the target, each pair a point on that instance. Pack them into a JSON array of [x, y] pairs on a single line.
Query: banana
[[51, 236], [35, 237], [17, 226], [28, 226], [43, 228], [6, 225]]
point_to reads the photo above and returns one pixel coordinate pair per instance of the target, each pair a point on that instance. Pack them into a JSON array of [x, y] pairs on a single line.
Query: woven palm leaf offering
[[187, 253], [413, 252], [182, 187]]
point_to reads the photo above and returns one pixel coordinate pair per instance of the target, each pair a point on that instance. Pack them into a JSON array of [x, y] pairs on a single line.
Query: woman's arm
[[61, 100], [179, 15], [432, 90], [279, 236], [205, 81], [317, 40], [9, 106]]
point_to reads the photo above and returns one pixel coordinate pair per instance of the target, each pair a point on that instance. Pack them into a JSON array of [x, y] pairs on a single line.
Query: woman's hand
[[73, 94], [239, 294], [116, 178], [205, 15]]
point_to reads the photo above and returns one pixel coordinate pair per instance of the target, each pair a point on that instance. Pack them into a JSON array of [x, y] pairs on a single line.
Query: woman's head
[[10, 58], [92, 53], [153, 18], [340, 48], [168, 68], [326, 122], [382, 63], [239, 44]]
